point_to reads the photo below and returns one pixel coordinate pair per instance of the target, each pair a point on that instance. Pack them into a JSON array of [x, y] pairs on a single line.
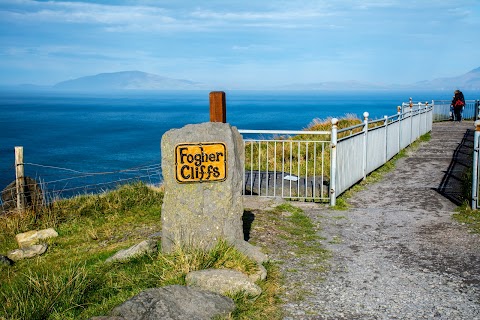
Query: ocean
[[78, 138]]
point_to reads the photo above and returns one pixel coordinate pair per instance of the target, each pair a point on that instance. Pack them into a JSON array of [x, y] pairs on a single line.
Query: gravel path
[[397, 253]]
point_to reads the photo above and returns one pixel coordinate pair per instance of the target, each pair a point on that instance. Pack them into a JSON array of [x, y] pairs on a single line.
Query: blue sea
[[67, 135]]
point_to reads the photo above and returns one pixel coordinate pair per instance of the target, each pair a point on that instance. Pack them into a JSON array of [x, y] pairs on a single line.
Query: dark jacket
[[458, 101]]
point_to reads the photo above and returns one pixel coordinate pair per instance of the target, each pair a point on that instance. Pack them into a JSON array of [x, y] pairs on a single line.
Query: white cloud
[[255, 48], [81, 13], [259, 16], [122, 18]]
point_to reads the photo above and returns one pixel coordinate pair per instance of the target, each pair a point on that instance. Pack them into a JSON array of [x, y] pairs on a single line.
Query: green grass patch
[[72, 281], [299, 229], [301, 235], [287, 232], [465, 214], [265, 306]]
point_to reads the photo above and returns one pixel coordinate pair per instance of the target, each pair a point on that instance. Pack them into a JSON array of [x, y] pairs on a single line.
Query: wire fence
[[44, 183]]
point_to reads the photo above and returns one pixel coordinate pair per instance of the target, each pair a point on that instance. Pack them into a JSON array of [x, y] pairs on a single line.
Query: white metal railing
[[327, 163], [288, 168], [442, 109], [378, 141]]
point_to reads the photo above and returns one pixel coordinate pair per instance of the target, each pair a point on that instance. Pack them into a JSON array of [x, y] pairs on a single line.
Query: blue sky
[[240, 44]]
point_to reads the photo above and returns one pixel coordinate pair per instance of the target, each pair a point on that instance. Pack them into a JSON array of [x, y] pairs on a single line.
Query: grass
[[464, 213], [72, 281], [294, 230], [286, 232], [297, 150], [267, 305]]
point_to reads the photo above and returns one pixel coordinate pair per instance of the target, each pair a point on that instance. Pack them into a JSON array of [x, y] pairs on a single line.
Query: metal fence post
[[433, 106], [420, 115], [399, 109], [411, 123], [477, 105], [365, 143], [333, 162], [386, 138], [475, 166], [426, 117]]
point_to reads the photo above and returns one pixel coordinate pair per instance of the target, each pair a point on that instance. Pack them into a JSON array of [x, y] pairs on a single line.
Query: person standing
[[458, 103]]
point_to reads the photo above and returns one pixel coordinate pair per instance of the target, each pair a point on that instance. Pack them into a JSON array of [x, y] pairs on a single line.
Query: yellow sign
[[200, 162]]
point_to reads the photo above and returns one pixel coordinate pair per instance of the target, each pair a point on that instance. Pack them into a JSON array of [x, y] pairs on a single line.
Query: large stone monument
[[202, 167]]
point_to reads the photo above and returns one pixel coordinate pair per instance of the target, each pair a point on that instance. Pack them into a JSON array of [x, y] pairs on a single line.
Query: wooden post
[[218, 107], [20, 178]]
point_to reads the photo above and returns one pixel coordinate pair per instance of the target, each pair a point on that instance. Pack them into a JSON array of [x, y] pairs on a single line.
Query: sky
[[240, 44]]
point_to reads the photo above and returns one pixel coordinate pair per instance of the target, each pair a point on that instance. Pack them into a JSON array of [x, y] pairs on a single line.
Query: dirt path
[[397, 253]]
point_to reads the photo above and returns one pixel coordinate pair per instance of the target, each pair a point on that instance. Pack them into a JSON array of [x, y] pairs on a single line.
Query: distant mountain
[[137, 80], [336, 85], [467, 81], [126, 80]]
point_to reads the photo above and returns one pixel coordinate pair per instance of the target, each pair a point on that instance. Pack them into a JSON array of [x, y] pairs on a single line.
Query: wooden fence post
[[20, 178], [218, 107]]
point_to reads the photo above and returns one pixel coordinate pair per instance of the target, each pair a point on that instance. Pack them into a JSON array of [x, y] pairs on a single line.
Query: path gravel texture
[[397, 252]]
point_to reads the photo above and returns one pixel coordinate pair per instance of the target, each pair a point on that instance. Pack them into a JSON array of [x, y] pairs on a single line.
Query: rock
[[223, 281], [29, 238], [251, 251], [199, 214], [107, 318], [144, 247], [174, 303], [255, 254], [5, 261], [27, 252], [261, 274]]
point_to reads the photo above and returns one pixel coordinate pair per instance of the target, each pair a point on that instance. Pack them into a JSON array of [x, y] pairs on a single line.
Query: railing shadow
[[454, 185]]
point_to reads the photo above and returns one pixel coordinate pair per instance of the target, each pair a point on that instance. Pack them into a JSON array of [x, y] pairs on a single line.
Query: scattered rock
[[5, 260], [173, 303], [255, 254], [29, 238], [222, 281], [261, 274], [144, 247], [27, 252], [251, 251], [108, 318]]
